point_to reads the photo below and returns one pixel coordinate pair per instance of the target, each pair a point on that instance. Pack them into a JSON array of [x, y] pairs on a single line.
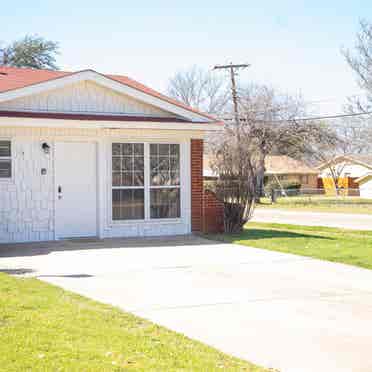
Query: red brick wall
[[212, 213], [196, 185], [206, 209]]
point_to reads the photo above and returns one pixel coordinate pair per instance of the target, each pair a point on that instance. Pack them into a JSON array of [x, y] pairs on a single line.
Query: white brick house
[[84, 154]]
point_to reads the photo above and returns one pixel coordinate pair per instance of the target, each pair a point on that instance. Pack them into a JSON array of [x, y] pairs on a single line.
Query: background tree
[[267, 126], [323, 142], [360, 60], [32, 51], [200, 89], [270, 113]]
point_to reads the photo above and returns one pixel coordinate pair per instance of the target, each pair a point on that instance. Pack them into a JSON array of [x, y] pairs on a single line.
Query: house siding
[[347, 170], [27, 201], [366, 189], [84, 96]]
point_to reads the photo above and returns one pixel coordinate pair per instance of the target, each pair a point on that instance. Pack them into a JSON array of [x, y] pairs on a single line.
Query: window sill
[[154, 221]]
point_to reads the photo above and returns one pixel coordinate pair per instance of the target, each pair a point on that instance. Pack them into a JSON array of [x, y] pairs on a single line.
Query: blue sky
[[292, 45]]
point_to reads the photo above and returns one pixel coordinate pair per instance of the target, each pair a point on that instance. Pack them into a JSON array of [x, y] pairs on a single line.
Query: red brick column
[[196, 185], [213, 214]]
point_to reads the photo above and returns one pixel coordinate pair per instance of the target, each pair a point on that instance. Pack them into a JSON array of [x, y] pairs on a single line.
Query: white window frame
[[147, 187], [164, 186], [11, 158], [129, 187]]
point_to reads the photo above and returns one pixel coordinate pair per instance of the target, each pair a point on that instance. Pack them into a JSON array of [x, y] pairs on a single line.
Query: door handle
[[59, 192]]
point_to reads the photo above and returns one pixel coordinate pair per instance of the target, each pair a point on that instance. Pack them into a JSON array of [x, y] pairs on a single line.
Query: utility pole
[[234, 93]]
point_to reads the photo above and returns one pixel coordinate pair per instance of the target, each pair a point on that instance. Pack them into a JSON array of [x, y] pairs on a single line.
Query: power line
[[336, 116], [323, 117]]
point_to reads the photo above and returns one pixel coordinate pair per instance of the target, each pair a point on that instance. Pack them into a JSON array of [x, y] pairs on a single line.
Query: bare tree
[[360, 60], [270, 114], [267, 125], [200, 89], [355, 134], [235, 160]]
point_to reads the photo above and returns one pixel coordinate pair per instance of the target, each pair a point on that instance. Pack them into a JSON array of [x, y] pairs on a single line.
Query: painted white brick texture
[[27, 201]]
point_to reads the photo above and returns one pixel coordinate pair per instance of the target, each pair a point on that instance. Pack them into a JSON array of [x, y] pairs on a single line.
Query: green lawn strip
[[44, 328], [331, 244], [321, 204]]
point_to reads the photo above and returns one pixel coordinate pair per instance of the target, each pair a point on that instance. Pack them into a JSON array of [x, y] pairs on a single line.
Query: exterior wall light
[[46, 148]]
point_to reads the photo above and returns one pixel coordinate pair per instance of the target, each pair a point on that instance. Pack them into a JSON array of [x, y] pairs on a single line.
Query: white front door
[[76, 189]]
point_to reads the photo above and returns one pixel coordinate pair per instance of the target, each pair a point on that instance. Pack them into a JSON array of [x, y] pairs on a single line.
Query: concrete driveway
[[277, 310], [341, 220]]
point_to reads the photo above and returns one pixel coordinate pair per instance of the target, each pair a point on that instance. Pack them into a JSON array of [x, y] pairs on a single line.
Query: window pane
[[126, 179], [127, 164], [160, 179], [165, 203], [164, 149], [116, 179], [174, 164], [138, 164], [5, 148], [138, 179], [127, 204], [175, 178], [116, 149], [138, 149], [175, 150], [154, 149], [5, 168], [164, 165], [127, 149], [116, 164], [154, 163]]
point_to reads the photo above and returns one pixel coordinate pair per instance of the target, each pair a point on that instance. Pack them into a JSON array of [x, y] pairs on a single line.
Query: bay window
[[5, 159], [145, 177]]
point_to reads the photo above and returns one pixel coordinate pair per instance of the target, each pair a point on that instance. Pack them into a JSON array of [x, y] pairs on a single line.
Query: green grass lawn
[[44, 328], [316, 203], [338, 245]]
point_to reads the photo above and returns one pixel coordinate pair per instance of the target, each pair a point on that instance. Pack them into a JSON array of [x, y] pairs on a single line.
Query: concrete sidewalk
[[340, 220], [277, 310]]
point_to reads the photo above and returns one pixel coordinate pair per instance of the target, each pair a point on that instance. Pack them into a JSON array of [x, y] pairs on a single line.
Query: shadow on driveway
[[42, 248], [257, 234]]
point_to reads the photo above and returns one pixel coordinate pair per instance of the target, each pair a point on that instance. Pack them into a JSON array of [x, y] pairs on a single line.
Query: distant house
[[285, 170], [282, 170], [352, 171], [352, 166], [365, 186]]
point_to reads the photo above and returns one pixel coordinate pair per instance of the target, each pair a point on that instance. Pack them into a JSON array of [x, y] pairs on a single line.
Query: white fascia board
[[108, 83], [87, 124]]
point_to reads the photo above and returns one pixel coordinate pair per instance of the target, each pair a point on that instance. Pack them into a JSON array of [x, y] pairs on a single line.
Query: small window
[[5, 160]]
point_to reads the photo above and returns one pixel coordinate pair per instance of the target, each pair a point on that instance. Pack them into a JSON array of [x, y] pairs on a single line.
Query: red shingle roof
[[14, 78]]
